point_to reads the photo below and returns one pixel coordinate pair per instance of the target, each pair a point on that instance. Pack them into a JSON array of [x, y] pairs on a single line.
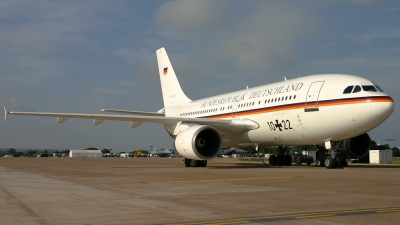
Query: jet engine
[[359, 146], [199, 142]]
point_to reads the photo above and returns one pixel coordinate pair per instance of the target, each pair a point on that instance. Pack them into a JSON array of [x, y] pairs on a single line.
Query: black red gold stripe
[[323, 103]]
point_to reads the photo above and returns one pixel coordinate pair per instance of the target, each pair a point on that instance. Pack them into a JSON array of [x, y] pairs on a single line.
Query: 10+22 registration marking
[[285, 124]]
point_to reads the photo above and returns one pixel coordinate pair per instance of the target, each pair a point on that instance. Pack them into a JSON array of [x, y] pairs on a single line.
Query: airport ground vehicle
[[137, 154], [298, 157]]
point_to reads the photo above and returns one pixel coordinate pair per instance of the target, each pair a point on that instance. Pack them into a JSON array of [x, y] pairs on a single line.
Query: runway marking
[[264, 219], [220, 180]]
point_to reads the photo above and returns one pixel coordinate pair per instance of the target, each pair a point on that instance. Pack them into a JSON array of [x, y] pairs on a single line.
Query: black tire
[[329, 162], [272, 160], [339, 162], [188, 162], [194, 163], [280, 160], [202, 163], [288, 160], [297, 160]]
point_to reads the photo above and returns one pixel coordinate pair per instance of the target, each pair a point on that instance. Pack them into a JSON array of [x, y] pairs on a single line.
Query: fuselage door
[[234, 108], [311, 104]]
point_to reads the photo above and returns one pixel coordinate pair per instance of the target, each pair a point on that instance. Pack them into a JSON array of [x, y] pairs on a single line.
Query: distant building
[[85, 153]]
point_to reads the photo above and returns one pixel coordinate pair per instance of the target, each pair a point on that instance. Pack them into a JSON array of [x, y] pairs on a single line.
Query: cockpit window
[[379, 88], [357, 89], [369, 88], [348, 90]]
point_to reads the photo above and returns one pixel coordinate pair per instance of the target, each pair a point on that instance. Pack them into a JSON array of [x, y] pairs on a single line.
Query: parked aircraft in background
[[327, 110], [230, 151], [162, 152]]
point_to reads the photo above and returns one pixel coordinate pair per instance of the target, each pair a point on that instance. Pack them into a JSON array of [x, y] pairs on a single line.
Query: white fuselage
[[303, 111]]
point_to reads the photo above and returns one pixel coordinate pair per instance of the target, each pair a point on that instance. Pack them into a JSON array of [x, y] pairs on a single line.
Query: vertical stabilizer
[[171, 89]]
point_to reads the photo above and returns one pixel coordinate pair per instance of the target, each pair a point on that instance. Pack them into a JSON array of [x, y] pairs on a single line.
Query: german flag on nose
[[165, 70]]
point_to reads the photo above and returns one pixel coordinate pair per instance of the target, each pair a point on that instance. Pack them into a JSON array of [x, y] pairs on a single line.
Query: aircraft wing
[[225, 125], [138, 113]]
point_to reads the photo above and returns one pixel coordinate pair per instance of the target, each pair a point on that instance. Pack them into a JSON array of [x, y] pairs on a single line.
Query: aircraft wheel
[[272, 160], [288, 160], [279, 160], [329, 162], [202, 163], [339, 162], [188, 162], [194, 163]]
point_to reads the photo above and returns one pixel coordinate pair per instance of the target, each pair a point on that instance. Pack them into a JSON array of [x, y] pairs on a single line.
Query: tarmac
[[89, 191]]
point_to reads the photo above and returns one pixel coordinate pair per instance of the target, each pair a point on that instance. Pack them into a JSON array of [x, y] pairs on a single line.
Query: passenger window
[[348, 90], [357, 89], [369, 88]]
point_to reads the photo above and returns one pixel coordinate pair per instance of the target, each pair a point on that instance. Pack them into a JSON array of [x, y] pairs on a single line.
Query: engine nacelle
[[199, 142], [359, 146]]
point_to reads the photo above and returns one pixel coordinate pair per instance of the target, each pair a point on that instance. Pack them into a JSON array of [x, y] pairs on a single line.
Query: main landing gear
[[281, 159], [195, 163]]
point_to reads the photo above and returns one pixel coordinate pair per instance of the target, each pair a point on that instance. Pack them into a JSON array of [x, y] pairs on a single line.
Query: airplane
[[326, 110], [163, 152], [230, 151]]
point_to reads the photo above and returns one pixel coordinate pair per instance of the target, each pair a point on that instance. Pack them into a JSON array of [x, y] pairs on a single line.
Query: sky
[[83, 56]]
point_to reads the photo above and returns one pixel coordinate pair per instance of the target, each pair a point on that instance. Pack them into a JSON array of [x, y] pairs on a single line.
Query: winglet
[[5, 114]]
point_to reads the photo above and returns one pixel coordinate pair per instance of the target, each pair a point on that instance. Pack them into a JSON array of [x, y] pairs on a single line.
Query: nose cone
[[382, 108]]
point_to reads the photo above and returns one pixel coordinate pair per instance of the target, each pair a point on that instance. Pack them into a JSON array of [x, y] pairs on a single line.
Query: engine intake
[[199, 142], [359, 146]]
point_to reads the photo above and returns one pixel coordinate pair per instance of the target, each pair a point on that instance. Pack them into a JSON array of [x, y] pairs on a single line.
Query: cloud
[[385, 34], [37, 36], [12, 104], [364, 2], [262, 37], [181, 18]]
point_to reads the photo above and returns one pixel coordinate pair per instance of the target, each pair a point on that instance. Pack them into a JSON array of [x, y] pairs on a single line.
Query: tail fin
[[171, 89]]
